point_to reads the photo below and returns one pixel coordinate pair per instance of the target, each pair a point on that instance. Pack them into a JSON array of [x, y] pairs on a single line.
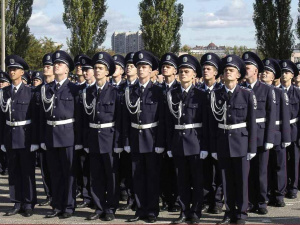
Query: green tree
[[186, 48], [298, 22], [161, 22], [85, 20], [273, 24], [17, 36], [37, 48]]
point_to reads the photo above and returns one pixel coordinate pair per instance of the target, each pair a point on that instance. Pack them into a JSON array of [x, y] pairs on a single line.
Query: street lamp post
[[3, 35]]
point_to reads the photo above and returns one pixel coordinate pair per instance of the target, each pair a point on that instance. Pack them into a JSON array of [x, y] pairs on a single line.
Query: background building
[[125, 42]]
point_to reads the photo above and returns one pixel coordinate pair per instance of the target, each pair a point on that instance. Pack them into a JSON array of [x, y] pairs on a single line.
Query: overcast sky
[[224, 22]]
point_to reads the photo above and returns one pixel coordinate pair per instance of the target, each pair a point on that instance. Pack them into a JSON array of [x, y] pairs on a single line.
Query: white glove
[[87, 150], [3, 148], [214, 155], [203, 154], [78, 147], [170, 154], [268, 146], [34, 148], [285, 144], [43, 146], [118, 150], [127, 149], [159, 150], [250, 155]]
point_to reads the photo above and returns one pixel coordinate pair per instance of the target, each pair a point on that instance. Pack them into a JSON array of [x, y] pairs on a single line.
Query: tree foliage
[[298, 22], [273, 24], [161, 22], [85, 20]]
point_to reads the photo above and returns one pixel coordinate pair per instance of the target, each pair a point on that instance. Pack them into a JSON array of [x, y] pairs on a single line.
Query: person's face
[[286, 76], [118, 72], [48, 70], [144, 71], [131, 70], [209, 72], [88, 73], [100, 71], [168, 70], [4, 84], [36, 82], [60, 68], [78, 70], [186, 75], [15, 73], [231, 74], [251, 71], [267, 76]]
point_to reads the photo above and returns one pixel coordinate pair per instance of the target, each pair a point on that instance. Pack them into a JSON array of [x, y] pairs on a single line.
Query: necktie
[[184, 94], [168, 88], [14, 91], [57, 86], [229, 95], [249, 86], [208, 93], [142, 89], [98, 93]]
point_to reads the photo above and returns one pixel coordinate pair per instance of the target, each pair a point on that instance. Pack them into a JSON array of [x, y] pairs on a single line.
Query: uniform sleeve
[[118, 122], [125, 125], [160, 138], [35, 117], [270, 116], [169, 128], [205, 123], [251, 124], [285, 117], [78, 115], [42, 122]]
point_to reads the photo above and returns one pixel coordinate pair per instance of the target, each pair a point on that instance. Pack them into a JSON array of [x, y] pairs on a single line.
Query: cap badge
[[229, 59], [141, 56], [298, 66], [57, 55], [208, 57], [284, 64], [168, 57], [12, 61], [48, 57], [115, 57], [246, 56], [83, 61], [131, 55], [268, 62], [185, 59], [100, 56]]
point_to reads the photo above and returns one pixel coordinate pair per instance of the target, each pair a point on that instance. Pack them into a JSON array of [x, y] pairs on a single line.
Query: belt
[[18, 123], [144, 126], [261, 120], [188, 126], [295, 120], [60, 122], [103, 125], [231, 127], [278, 122]]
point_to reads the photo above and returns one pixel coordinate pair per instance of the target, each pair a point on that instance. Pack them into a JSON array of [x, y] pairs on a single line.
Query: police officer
[[213, 193], [4, 79], [185, 139], [265, 119], [61, 105], [16, 119], [78, 70], [37, 78], [116, 79], [125, 156], [297, 77], [169, 193], [103, 119], [26, 79], [288, 71], [282, 139], [143, 133], [235, 137], [81, 156]]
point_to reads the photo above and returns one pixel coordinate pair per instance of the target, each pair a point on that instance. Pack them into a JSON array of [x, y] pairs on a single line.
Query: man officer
[[17, 116], [143, 133], [265, 119], [60, 101], [234, 137]]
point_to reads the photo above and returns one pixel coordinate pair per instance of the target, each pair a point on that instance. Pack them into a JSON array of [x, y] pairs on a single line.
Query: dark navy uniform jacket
[[108, 110], [21, 110], [283, 130], [240, 108], [189, 141], [266, 108], [66, 106], [36, 139], [294, 101], [152, 107]]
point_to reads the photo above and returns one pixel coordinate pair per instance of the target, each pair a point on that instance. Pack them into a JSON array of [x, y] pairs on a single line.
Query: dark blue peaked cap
[[145, 57], [190, 61], [15, 61], [105, 59], [236, 62], [119, 60], [4, 77], [62, 56], [212, 59], [38, 75], [253, 59], [298, 66], [86, 62], [170, 59], [47, 59], [129, 58], [273, 66], [289, 66]]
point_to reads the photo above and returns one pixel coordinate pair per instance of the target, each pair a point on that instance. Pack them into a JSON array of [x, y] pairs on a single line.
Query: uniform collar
[[17, 87], [252, 85], [286, 88], [186, 90], [170, 84], [132, 82], [61, 82], [100, 87], [88, 85], [145, 84], [114, 83], [210, 88], [227, 89], [81, 83]]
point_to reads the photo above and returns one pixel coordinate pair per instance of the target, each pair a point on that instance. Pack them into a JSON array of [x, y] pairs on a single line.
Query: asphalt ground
[[286, 215]]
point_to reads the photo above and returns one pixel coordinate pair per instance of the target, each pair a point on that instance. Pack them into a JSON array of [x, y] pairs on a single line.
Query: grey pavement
[[287, 215]]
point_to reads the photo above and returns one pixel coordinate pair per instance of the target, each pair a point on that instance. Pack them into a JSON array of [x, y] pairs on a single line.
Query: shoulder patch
[[273, 96], [286, 97], [245, 88], [254, 102]]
